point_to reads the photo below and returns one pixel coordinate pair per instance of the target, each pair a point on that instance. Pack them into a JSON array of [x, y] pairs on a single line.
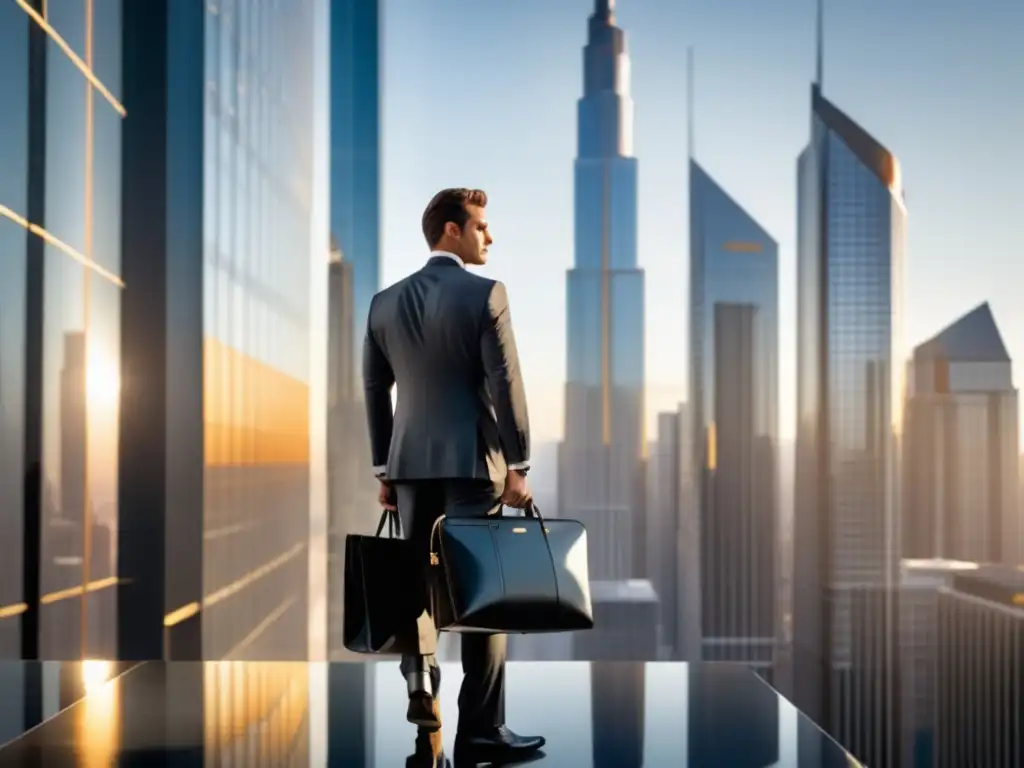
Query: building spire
[[819, 46], [689, 102], [604, 9]]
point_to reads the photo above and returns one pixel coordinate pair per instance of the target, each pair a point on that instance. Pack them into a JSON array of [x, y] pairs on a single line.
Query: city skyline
[[773, 472], [758, 69]]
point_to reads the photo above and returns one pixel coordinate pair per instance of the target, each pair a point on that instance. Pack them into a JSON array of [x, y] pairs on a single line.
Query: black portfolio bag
[[510, 574], [380, 599]]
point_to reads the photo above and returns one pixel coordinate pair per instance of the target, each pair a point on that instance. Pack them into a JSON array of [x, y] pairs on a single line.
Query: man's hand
[[517, 491], [386, 496]]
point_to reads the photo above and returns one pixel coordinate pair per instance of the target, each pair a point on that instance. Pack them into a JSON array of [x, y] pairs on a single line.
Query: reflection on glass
[[99, 723], [617, 698], [271, 713], [257, 191], [254, 713], [724, 698], [13, 239]]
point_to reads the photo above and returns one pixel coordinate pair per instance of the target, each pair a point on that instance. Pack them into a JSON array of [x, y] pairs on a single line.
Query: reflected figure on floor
[[457, 442]]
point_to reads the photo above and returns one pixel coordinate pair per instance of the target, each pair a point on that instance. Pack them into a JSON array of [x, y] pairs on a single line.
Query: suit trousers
[[420, 503]]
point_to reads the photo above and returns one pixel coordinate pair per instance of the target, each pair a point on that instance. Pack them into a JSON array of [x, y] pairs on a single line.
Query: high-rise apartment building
[[734, 381], [960, 481], [61, 285], [850, 244], [601, 460], [224, 237]]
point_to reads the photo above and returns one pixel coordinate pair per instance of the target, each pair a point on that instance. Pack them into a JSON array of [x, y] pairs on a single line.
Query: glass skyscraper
[[355, 151], [601, 461], [60, 303], [850, 247], [734, 321], [355, 144], [224, 261]]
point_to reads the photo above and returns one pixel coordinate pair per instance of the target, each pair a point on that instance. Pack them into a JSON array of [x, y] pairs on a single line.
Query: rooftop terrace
[[617, 714]]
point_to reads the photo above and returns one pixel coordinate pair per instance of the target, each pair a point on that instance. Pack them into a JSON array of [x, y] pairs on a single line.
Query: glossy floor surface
[[620, 715]]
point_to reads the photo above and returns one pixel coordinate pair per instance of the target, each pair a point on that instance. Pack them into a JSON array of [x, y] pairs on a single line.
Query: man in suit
[[458, 441]]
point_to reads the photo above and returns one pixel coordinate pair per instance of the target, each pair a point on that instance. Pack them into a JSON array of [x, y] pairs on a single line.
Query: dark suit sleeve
[[505, 380], [378, 378]]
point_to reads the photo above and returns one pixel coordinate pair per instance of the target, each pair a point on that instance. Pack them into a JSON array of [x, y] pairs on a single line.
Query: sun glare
[[95, 674], [102, 383]]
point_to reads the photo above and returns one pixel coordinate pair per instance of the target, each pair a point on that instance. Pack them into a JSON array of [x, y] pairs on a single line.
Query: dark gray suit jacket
[[444, 335]]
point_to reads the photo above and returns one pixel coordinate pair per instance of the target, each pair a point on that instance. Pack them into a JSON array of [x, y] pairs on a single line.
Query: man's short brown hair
[[449, 205]]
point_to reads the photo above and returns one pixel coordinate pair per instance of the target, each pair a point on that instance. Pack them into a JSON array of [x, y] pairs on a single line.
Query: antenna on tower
[[819, 45], [689, 101]]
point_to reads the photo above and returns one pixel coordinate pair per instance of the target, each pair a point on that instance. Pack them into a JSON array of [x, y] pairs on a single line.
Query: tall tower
[[356, 153], [734, 320], [601, 463], [850, 244]]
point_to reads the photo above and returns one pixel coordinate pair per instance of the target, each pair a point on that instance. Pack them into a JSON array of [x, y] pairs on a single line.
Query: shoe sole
[[427, 721]]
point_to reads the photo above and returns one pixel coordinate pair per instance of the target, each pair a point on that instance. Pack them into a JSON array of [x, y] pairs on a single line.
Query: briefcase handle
[[531, 510], [394, 523]]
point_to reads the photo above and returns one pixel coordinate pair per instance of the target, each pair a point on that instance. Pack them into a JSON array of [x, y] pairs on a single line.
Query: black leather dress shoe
[[424, 711], [498, 742]]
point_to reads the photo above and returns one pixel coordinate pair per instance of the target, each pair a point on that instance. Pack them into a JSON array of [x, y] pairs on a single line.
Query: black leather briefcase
[[510, 574], [380, 607]]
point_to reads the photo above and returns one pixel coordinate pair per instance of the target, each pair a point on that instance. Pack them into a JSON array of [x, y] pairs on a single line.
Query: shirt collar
[[448, 255]]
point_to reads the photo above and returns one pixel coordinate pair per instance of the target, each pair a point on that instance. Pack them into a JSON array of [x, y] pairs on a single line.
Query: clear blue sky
[[484, 94]]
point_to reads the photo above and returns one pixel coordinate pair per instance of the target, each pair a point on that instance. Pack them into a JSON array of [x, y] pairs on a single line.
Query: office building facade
[[850, 245], [225, 250], [61, 286], [921, 583], [960, 453], [734, 381], [980, 670], [602, 453], [687, 543]]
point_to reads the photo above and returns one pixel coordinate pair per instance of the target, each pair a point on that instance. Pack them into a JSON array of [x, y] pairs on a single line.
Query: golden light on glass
[[75, 58], [742, 246], [254, 413], [712, 447], [60, 245]]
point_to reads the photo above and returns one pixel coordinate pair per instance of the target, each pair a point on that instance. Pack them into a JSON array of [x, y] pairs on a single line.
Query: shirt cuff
[[523, 465], [381, 470]]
